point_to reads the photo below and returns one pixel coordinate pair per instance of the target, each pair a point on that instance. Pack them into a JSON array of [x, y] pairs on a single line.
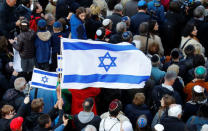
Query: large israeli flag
[[44, 79], [98, 64]]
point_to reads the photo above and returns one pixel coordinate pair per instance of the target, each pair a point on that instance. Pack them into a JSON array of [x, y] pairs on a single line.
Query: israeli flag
[[99, 64], [44, 79], [59, 63]]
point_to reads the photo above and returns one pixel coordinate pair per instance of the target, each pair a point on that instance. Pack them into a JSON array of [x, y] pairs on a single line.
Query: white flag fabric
[[44, 79], [89, 63], [59, 63]]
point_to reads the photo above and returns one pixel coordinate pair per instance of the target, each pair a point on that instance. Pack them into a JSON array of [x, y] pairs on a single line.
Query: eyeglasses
[[12, 112]]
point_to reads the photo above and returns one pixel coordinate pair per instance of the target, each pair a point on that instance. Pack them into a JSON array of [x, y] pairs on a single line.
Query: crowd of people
[[171, 33]]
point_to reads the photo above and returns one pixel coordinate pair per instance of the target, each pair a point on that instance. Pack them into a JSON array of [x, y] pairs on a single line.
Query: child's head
[[57, 27], [41, 25], [37, 105], [24, 25], [44, 121]]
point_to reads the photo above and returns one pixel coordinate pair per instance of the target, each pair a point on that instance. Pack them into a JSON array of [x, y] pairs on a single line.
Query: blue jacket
[[55, 42], [195, 123], [157, 8], [77, 28], [43, 46]]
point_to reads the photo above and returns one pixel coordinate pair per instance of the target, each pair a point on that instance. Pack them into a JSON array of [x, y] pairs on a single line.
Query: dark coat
[[133, 112], [56, 42], [115, 38], [22, 10], [173, 124], [136, 20], [8, 19], [115, 18], [25, 44], [84, 3]]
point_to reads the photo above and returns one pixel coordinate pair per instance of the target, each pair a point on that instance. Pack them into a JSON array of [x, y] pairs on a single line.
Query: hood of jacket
[[85, 117], [44, 36]]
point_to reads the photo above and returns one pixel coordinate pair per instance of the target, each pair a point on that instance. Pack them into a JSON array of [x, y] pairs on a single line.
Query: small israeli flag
[[59, 63], [44, 79]]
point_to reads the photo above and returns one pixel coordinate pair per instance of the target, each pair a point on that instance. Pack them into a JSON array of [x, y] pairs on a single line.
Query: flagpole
[[60, 73]]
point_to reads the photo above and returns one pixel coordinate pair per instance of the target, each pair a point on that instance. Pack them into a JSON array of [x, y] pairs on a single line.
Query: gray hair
[[199, 11], [90, 128], [19, 83], [121, 27], [118, 7], [49, 18], [170, 75]]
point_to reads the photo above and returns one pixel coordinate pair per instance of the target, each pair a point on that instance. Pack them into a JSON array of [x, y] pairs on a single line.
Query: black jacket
[[173, 124]]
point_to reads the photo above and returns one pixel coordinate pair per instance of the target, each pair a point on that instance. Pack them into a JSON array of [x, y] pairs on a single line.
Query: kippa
[[24, 22], [155, 58], [57, 24], [124, 19], [113, 106], [204, 127], [16, 123], [159, 127], [174, 110], [41, 23], [98, 32], [126, 35], [142, 121], [200, 70], [198, 89], [141, 3], [106, 22]]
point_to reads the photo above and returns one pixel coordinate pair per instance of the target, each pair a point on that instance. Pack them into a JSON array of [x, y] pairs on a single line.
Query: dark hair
[[175, 53], [168, 100], [187, 31], [25, 2], [3, 44], [24, 28], [174, 6], [112, 3], [152, 24], [102, 29], [80, 10], [203, 110], [43, 120], [64, 23], [88, 104], [197, 97], [35, 7], [115, 112], [189, 50], [198, 60]]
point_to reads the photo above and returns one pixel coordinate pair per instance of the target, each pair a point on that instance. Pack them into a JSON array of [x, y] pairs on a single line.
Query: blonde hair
[[139, 99], [95, 9], [174, 68], [6, 109]]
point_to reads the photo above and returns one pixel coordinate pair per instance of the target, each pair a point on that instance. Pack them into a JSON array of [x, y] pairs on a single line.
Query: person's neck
[[167, 83], [142, 11]]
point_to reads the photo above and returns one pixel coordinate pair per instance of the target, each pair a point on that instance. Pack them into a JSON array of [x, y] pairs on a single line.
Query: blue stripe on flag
[[86, 46], [59, 58], [45, 73], [43, 85], [110, 78]]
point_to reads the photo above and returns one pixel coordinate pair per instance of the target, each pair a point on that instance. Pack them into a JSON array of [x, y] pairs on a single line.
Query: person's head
[[142, 5], [153, 26], [202, 112], [199, 12], [174, 68], [143, 28], [42, 25], [81, 13], [111, 4], [57, 27], [121, 27], [107, 23], [7, 112], [118, 8], [3, 44], [200, 72], [20, 84], [175, 110], [155, 60], [166, 101], [100, 33], [141, 122], [198, 94], [198, 60], [88, 104], [170, 77], [50, 19], [44, 121], [189, 50], [26, 3], [175, 54], [89, 128], [63, 23], [127, 20], [114, 108], [37, 105], [139, 99], [16, 124], [190, 30], [127, 36], [95, 9], [174, 6], [37, 9], [11, 3], [153, 47], [24, 25]]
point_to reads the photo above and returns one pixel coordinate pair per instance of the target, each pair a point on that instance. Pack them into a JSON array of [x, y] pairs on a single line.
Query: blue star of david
[[107, 56], [44, 79]]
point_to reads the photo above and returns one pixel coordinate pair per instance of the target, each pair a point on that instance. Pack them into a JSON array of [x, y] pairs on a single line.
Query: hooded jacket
[[43, 46]]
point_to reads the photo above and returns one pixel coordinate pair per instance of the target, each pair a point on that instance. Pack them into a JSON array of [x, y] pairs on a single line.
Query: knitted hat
[[57, 24], [16, 123], [141, 3], [142, 121], [41, 23]]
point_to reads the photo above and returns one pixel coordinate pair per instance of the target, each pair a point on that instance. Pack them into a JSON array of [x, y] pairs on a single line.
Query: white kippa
[[106, 22], [159, 127], [98, 32], [198, 89], [174, 110], [204, 127]]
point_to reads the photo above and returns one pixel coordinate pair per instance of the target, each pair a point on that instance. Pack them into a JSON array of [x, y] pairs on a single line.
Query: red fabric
[[16, 123], [78, 97], [165, 3], [33, 23]]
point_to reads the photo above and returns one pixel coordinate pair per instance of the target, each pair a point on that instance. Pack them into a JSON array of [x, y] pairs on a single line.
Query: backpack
[[34, 22]]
